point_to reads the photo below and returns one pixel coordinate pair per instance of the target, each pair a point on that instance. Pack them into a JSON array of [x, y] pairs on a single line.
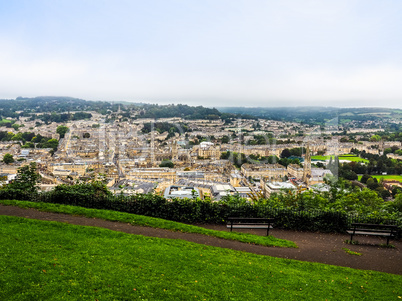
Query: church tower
[[152, 148], [175, 152], [307, 166]]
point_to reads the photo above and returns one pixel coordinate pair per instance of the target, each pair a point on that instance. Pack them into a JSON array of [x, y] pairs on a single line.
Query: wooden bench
[[250, 223], [387, 231]]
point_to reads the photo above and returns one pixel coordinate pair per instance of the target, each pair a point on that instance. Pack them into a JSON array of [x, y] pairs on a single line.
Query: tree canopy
[[8, 158], [62, 130]]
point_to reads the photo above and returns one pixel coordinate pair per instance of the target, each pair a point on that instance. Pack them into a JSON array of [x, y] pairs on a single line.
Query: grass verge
[[350, 252], [141, 220], [42, 260]]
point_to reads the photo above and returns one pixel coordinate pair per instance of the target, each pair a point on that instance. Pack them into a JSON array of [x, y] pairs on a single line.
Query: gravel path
[[313, 247]]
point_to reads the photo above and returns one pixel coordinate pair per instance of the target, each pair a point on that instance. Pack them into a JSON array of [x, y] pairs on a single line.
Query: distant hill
[[311, 115], [51, 104], [317, 115], [22, 106]]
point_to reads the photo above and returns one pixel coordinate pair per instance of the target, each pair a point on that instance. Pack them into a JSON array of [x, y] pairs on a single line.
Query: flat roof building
[[181, 192]]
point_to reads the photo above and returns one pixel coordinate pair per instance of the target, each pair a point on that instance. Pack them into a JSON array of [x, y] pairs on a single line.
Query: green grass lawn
[[152, 222], [386, 177], [42, 260], [349, 157]]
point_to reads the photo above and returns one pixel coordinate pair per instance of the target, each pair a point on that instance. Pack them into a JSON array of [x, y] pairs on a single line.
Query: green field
[[42, 260], [349, 157], [386, 177]]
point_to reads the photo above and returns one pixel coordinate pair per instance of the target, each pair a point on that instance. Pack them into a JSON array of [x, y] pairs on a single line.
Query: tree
[[51, 143], [375, 138], [350, 175], [285, 153], [62, 130], [225, 139], [25, 183], [8, 158], [167, 163], [372, 183], [364, 178], [85, 192], [86, 135], [397, 203]]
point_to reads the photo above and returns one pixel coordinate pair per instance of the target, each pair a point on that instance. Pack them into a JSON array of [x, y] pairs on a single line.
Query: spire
[[175, 153], [307, 165]]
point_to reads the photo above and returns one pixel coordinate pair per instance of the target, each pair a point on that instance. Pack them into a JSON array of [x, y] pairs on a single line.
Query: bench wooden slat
[[374, 225], [371, 230], [249, 226], [250, 223], [370, 233], [387, 231]]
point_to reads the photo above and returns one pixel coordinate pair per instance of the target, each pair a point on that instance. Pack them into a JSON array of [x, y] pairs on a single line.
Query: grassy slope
[[41, 260], [152, 222]]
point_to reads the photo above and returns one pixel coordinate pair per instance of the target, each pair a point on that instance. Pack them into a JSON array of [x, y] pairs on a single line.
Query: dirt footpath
[[313, 247]]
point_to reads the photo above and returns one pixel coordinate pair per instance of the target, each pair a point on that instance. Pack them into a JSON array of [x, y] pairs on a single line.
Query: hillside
[[52, 261], [318, 115]]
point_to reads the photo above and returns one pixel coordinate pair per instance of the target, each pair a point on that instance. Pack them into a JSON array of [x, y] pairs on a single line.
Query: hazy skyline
[[212, 53]]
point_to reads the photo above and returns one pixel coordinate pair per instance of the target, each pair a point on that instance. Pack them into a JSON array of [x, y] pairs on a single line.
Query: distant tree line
[[162, 127], [238, 159], [30, 140]]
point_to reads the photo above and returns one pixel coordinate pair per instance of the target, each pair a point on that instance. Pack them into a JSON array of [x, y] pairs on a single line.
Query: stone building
[[271, 171]]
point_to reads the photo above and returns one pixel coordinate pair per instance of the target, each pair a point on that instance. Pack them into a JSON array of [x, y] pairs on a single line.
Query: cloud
[[109, 77], [216, 53]]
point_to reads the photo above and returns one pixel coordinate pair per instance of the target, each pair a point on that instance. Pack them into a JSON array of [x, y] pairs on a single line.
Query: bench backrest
[[251, 219], [390, 228]]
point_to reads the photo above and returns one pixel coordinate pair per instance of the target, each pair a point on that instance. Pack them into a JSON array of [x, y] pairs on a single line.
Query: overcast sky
[[201, 52]]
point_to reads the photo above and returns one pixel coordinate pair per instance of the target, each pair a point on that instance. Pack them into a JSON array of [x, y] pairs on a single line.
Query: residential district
[[192, 158]]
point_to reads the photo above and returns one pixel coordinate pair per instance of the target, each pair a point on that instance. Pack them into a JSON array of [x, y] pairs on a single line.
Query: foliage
[[93, 192], [238, 159], [312, 115], [9, 136], [62, 130], [59, 118], [375, 138], [285, 153], [377, 165], [167, 163], [162, 127], [328, 211], [24, 186], [6, 122], [8, 158], [397, 203], [184, 111], [364, 178], [53, 104]]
